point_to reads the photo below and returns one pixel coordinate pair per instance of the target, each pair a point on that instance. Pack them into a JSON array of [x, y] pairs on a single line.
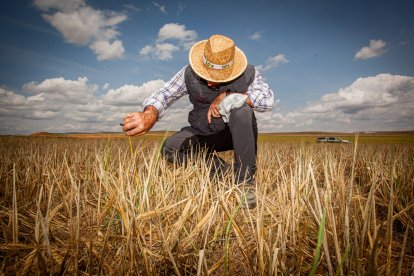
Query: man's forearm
[[150, 109], [248, 101], [151, 115]]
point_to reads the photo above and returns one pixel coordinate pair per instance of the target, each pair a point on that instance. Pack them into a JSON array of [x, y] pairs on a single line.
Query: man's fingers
[[128, 120], [128, 116], [131, 121], [215, 112], [125, 127], [129, 125], [135, 132], [130, 129]]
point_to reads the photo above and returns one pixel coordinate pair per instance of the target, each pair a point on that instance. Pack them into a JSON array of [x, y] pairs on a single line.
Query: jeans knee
[[168, 152], [176, 150], [245, 108], [243, 113]]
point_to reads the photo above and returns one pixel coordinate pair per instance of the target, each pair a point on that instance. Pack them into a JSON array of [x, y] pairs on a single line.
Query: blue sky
[[80, 65]]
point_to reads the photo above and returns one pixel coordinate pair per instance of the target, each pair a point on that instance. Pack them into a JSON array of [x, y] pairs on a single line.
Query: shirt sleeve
[[173, 90], [260, 93]]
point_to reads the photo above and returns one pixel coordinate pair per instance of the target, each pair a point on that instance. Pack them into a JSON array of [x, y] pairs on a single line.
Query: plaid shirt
[[259, 93]]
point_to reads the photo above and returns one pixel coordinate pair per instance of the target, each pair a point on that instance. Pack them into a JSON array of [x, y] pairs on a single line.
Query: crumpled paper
[[234, 100]]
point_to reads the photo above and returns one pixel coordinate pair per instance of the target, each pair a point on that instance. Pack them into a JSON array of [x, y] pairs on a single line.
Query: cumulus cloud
[[128, 95], [106, 50], [146, 51], [376, 48], [178, 33], [62, 91], [62, 105], [272, 62], [50, 104], [161, 51], [383, 90], [9, 97], [256, 36], [19, 106], [171, 38], [67, 5], [83, 25], [381, 102]]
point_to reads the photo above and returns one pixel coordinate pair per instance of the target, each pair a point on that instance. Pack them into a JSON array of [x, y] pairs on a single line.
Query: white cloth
[[234, 100]]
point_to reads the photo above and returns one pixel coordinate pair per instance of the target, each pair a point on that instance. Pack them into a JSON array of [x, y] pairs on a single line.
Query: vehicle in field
[[332, 140]]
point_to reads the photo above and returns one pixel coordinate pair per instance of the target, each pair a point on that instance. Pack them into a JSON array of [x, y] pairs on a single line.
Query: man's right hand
[[139, 123]]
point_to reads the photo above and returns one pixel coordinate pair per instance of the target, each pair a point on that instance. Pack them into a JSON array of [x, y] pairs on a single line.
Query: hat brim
[[214, 75]]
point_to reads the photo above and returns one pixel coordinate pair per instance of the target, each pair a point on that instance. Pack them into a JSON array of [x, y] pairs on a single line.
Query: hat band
[[216, 66]]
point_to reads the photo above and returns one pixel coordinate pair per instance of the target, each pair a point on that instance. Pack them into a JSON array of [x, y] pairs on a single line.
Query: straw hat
[[217, 59]]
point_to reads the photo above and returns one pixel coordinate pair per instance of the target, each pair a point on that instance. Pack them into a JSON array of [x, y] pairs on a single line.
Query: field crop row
[[102, 206]]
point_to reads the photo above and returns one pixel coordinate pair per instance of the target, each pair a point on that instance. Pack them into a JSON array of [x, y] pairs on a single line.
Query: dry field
[[113, 206]]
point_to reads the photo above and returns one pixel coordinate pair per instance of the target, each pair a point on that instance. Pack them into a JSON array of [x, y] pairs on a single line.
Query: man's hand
[[213, 110], [139, 123]]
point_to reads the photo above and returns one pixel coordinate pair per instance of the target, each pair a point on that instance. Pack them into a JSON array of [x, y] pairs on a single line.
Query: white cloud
[[106, 50], [376, 48], [256, 36], [10, 98], [382, 102], [19, 106], [84, 25], [131, 94], [63, 91], [160, 7], [162, 51], [58, 102], [67, 5], [178, 33], [171, 38], [273, 62], [77, 27], [147, 50], [61, 105]]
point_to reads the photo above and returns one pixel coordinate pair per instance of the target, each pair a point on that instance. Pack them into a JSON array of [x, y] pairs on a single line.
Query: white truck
[[331, 139]]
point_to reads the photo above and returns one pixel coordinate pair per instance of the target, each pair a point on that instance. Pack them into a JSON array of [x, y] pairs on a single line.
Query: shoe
[[248, 195]]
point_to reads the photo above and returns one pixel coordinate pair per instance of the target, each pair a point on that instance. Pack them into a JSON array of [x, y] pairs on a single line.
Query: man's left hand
[[213, 110]]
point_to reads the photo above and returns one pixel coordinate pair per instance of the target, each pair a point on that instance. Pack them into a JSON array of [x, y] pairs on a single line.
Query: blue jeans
[[239, 134]]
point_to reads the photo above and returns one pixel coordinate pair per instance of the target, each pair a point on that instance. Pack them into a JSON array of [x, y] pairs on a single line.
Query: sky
[[81, 65]]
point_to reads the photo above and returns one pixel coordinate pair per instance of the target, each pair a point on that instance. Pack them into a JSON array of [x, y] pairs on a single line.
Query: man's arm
[[139, 123], [173, 90], [260, 96], [248, 101]]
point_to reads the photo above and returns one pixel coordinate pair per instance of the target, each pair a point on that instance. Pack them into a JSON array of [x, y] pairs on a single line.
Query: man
[[217, 70]]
